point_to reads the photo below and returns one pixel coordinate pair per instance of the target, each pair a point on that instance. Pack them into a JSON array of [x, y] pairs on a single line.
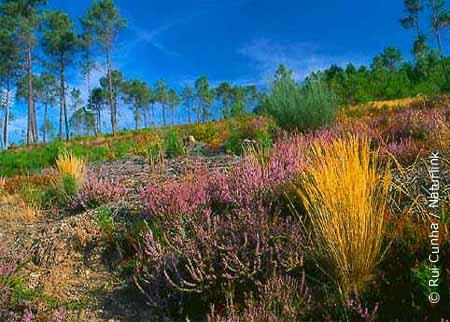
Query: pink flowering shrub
[[409, 123], [27, 316], [9, 310], [7, 268], [97, 191], [280, 298], [209, 257], [175, 198], [359, 311], [253, 185], [250, 185], [405, 134], [405, 150], [218, 234]]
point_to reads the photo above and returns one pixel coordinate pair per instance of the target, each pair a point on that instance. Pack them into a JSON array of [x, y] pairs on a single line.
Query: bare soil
[[65, 257]]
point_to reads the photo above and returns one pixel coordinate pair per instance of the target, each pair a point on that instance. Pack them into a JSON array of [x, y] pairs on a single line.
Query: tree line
[[390, 76], [35, 38], [40, 47]]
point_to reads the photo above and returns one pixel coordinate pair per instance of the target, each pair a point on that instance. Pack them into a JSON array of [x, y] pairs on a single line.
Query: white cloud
[[153, 36], [302, 58]]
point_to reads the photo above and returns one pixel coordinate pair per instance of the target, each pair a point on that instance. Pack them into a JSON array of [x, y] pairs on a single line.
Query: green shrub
[[237, 134], [264, 139], [421, 276], [55, 195], [121, 148], [104, 219], [59, 194], [69, 186], [173, 144], [234, 142], [34, 197], [301, 107], [24, 161]]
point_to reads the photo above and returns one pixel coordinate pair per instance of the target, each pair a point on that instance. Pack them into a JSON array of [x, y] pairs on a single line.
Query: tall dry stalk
[[2, 183], [345, 193], [67, 164], [258, 154]]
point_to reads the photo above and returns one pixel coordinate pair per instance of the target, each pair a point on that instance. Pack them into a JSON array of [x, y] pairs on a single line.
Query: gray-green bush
[[301, 107]]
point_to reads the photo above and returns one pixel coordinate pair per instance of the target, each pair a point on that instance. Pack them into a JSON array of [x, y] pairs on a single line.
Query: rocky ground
[[65, 254]]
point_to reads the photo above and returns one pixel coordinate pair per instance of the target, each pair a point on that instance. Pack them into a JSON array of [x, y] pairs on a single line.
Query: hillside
[[156, 225]]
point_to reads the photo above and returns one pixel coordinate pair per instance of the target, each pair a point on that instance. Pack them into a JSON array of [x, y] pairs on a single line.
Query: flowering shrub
[[215, 236], [359, 312], [281, 298], [405, 133], [96, 192], [177, 198], [405, 151], [9, 310], [409, 123], [215, 258], [250, 185], [223, 241]]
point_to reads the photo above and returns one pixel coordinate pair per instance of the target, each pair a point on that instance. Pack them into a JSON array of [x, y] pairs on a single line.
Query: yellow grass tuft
[[68, 164], [344, 194]]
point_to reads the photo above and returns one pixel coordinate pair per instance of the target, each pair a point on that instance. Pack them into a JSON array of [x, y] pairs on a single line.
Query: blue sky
[[241, 41], [244, 40]]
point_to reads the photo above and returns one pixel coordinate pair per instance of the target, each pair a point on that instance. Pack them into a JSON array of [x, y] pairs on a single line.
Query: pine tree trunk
[[164, 114], [153, 115], [110, 90], [6, 129], [44, 128], [99, 121], [189, 115], [6, 125], [146, 117], [205, 114], [136, 117], [35, 127], [441, 54], [30, 94], [60, 117], [61, 104], [63, 98], [88, 79]]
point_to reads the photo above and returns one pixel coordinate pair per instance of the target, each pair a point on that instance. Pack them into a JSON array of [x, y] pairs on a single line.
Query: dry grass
[[345, 194], [391, 104], [156, 157], [68, 164], [257, 154], [14, 209]]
